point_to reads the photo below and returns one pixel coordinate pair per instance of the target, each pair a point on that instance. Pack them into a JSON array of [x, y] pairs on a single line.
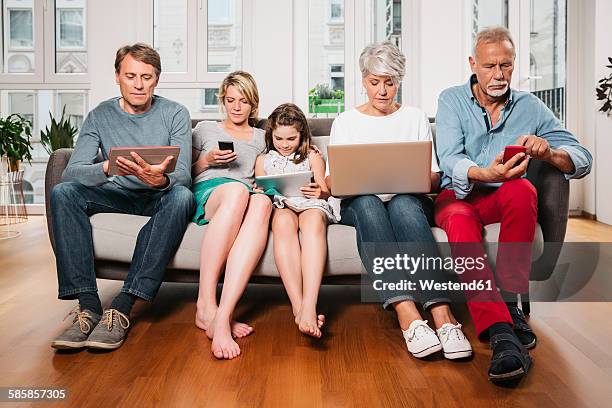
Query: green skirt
[[203, 189]]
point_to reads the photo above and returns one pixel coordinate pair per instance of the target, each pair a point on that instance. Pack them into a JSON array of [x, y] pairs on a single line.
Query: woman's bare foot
[[204, 317], [309, 323], [223, 345]]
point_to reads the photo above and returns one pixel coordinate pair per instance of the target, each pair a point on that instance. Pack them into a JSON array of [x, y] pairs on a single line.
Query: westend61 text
[[475, 285]]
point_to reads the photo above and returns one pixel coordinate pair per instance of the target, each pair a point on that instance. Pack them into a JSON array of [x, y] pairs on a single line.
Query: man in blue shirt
[[474, 123], [137, 118]]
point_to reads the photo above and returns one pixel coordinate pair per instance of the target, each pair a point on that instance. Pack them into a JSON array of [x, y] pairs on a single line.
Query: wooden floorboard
[[361, 361]]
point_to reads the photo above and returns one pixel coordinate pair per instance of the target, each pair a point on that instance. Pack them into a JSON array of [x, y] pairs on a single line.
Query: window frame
[[37, 24], [51, 29]]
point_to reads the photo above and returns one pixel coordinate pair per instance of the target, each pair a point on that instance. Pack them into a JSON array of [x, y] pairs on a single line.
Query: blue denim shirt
[[465, 138]]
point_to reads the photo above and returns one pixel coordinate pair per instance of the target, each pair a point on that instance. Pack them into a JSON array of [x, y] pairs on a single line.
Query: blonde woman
[[237, 218]]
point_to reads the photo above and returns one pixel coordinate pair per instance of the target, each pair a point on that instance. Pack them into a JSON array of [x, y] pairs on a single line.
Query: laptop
[[379, 168]]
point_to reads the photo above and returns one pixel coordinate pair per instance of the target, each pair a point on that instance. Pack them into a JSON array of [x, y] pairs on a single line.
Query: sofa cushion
[[114, 239]]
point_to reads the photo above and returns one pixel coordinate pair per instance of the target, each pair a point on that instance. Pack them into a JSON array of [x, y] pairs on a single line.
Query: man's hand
[[537, 147], [498, 172], [105, 167], [216, 157], [153, 175]]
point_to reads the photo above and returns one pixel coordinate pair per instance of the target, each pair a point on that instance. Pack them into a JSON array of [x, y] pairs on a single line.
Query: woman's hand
[[313, 190], [216, 157]]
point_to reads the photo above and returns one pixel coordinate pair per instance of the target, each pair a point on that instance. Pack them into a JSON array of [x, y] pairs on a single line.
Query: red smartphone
[[511, 151]]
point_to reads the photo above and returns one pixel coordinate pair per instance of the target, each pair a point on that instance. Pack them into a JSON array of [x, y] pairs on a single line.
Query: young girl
[[299, 262]]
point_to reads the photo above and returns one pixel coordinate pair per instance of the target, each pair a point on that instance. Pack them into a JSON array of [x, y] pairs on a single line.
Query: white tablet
[[287, 184]]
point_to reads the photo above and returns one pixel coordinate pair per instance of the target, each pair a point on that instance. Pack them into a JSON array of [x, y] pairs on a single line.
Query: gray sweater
[[166, 123]]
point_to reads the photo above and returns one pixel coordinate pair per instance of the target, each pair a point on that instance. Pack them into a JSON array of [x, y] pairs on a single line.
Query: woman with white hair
[[397, 223]]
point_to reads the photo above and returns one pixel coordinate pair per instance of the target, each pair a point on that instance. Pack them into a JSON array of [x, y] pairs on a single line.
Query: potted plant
[[323, 99], [15, 134], [61, 135], [604, 91]]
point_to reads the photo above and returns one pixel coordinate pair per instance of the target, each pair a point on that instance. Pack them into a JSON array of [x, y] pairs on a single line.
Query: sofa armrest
[[55, 167], [553, 210]]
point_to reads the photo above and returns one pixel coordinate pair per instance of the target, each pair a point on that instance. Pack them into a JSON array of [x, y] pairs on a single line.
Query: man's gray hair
[[383, 59], [495, 34]]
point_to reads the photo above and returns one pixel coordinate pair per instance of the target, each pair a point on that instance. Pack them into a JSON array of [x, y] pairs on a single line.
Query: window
[[547, 59], [18, 44], [170, 25], [71, 29], [224, 35], [20, 27], [70, 38], [210, 98], [219, 68], [201, 102], [337, 77], [22, 102], [486, 13], [337, 10], [75, 104], [325, 59]]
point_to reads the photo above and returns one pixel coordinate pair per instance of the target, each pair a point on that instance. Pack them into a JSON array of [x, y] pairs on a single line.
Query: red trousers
[[514, 205]]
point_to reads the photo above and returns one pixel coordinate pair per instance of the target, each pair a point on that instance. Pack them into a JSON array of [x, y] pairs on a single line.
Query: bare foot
[[320, 320], [204, 318], [308, 322], [223, 345]]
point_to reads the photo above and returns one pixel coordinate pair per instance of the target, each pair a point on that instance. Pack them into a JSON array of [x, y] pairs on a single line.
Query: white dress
[[275, 163]]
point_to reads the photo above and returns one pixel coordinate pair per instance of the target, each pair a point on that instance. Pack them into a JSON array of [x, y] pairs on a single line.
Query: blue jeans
[[73, 203], [399, 226]]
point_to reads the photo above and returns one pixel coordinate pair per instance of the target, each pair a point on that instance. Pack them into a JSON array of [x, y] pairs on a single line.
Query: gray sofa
[[114, 235]]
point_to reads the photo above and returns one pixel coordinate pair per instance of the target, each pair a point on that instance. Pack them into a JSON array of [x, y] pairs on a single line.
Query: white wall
[[111, 25], [442, 45], [273, 50], [603, 123]]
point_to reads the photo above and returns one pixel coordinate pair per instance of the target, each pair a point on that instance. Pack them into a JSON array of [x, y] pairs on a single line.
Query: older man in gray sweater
[[137, 118]]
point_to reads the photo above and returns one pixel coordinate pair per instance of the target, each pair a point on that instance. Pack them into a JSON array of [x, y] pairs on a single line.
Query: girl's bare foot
[[204, 317], [309, 323], [223, 345]]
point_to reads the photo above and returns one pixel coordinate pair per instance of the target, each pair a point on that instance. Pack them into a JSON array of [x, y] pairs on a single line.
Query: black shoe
[[508, 364], [521, 328]]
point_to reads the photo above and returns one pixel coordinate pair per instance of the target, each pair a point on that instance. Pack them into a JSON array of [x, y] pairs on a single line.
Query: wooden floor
[[361, 360]]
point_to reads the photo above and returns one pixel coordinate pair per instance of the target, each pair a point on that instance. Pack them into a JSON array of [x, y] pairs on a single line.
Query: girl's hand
[[257, 189], [216, 157], [313, 190]]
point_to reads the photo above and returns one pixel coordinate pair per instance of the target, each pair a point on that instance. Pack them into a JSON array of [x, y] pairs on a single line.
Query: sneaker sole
[[103, 346], [427, 351], [67, 345], [458, 354], [513, 375]]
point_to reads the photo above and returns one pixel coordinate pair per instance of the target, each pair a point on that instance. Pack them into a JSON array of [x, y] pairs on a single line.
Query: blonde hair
[[497, 34], [245, 84]]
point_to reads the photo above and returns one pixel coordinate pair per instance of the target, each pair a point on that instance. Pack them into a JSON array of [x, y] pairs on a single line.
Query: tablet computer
[[287, 184], [400, 167], [150, 154]]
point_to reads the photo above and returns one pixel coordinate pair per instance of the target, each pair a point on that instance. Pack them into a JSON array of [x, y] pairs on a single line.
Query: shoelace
[[81, 317], [452, 330], [111, 315], [424, 330]]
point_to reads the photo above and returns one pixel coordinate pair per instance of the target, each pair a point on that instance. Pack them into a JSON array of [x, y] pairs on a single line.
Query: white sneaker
[[421, 339], [454, 342]]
